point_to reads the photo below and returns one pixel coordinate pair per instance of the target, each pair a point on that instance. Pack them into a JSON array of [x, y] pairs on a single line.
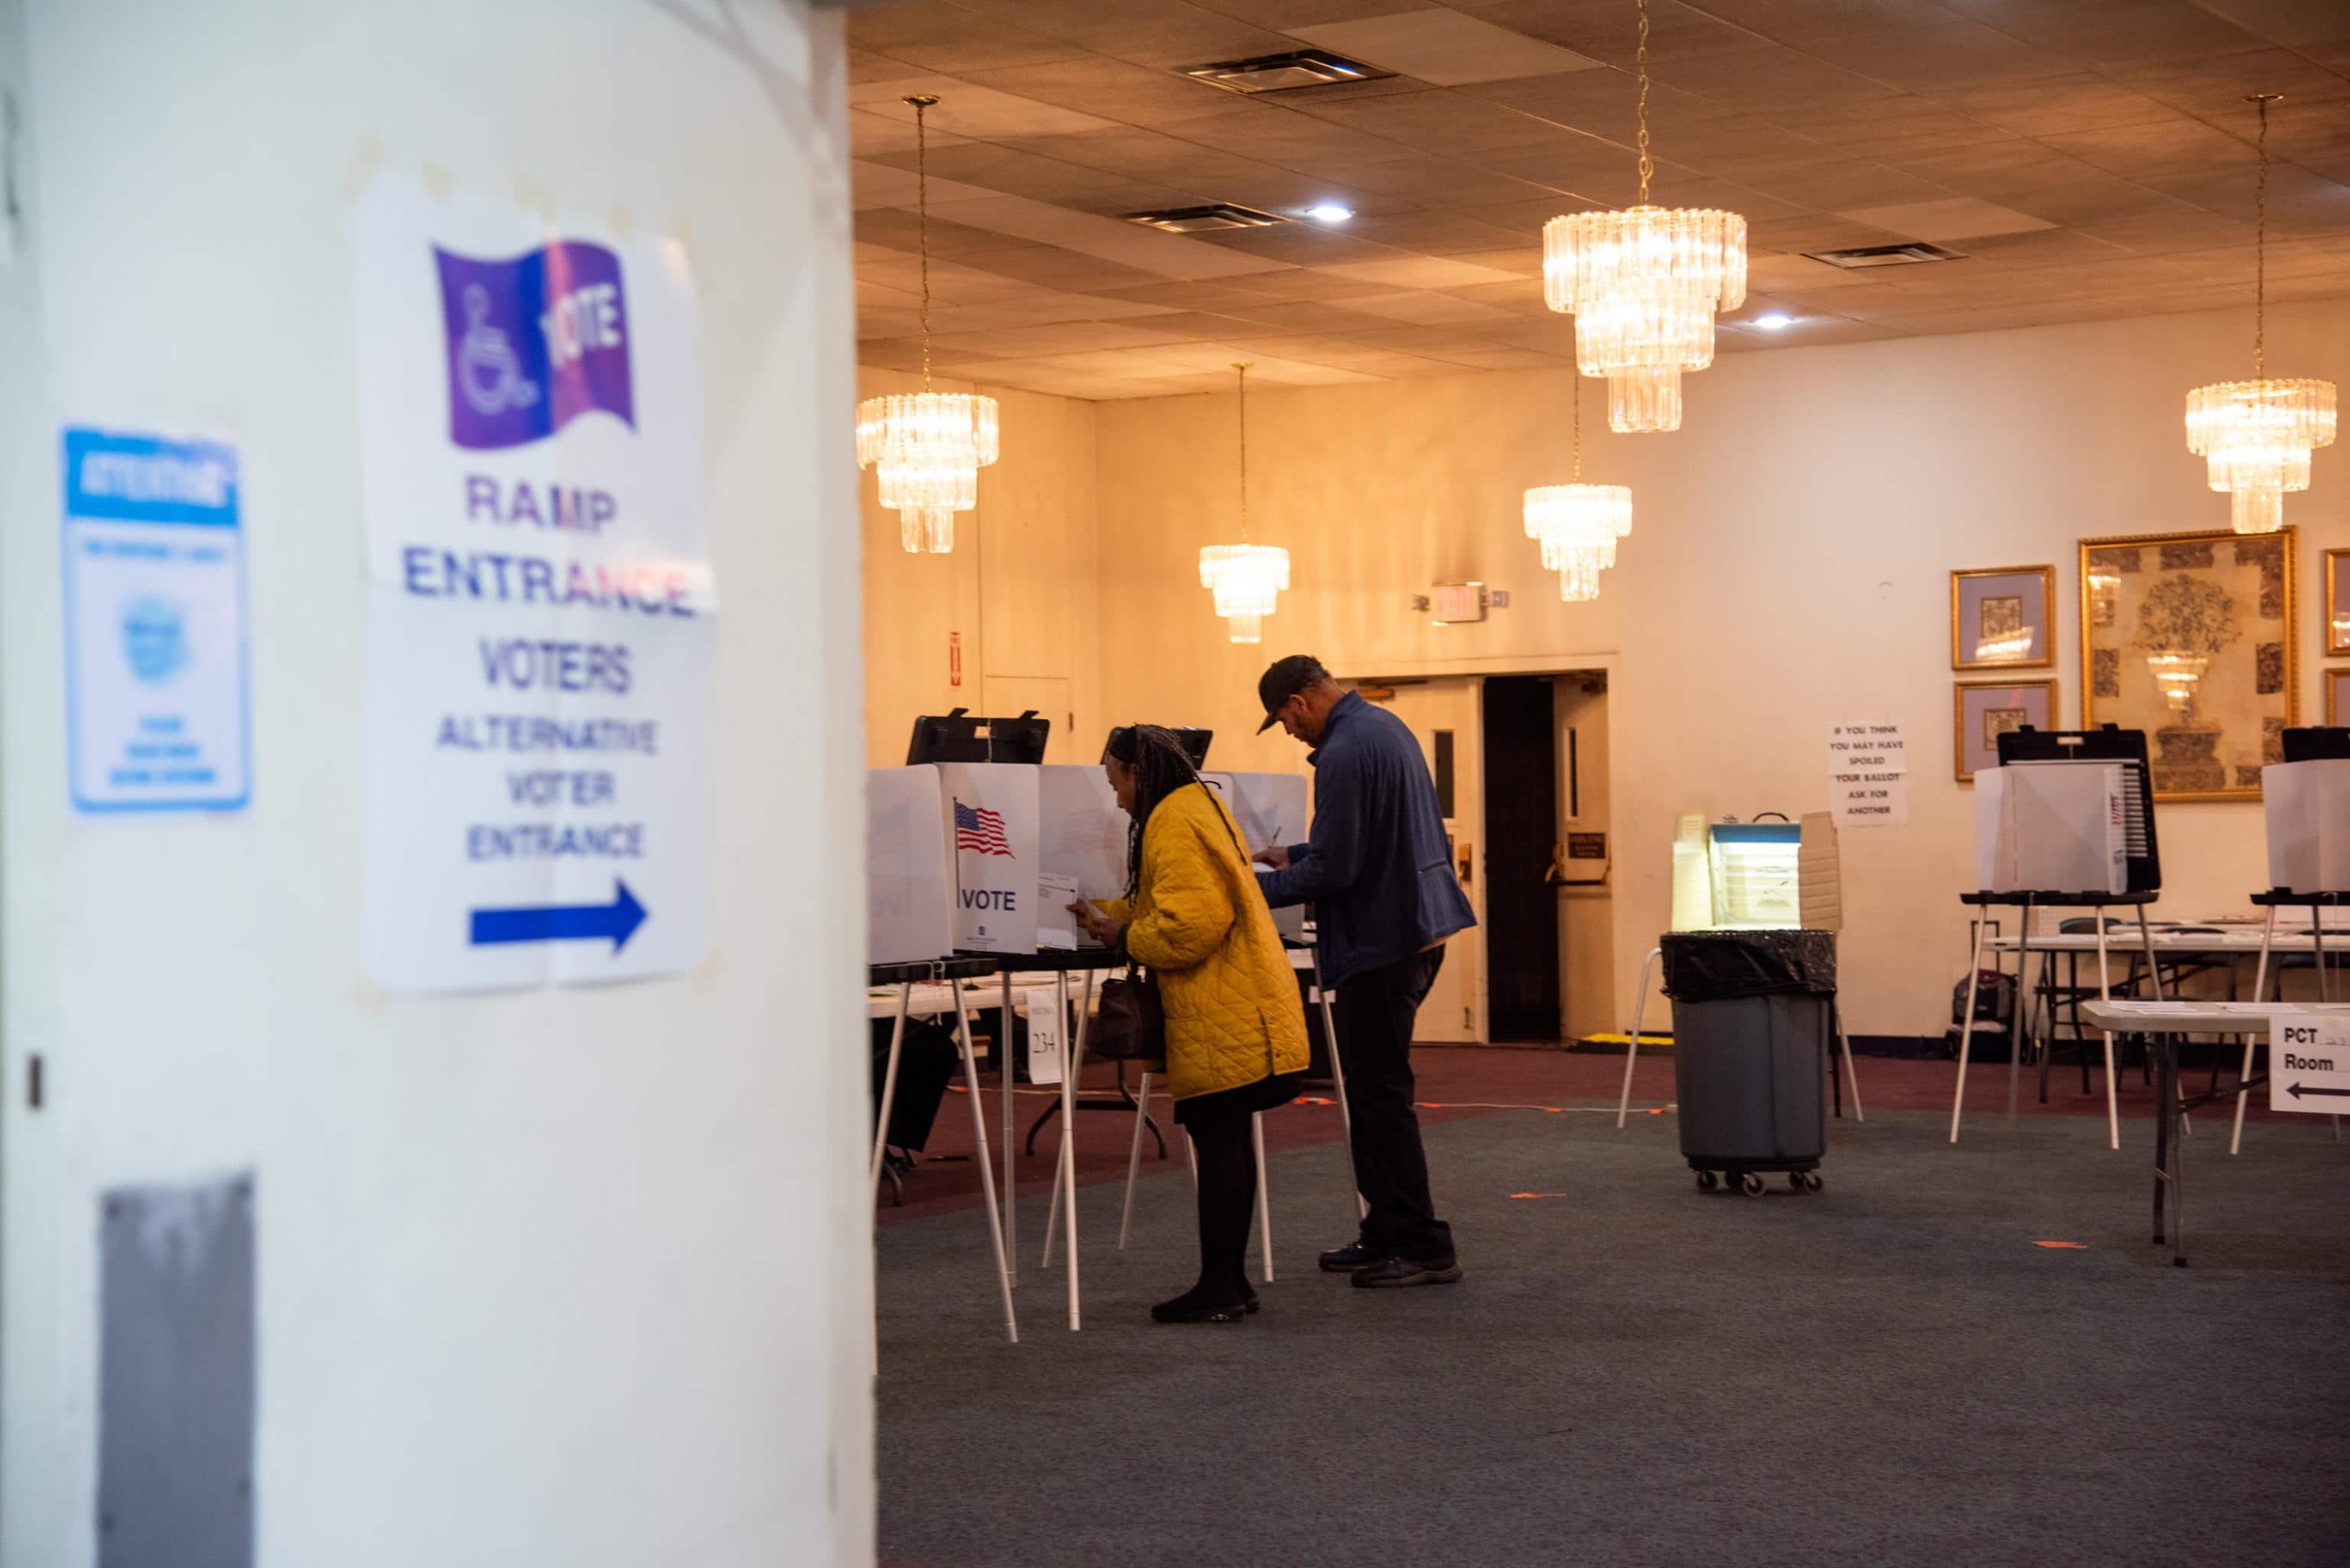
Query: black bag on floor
[[925, 1062]]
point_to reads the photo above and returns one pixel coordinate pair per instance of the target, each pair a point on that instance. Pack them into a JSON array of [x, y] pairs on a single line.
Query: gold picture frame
[[2003, 616], [2190, 638], [2337, 696], [2337, 604], [1977, 742]]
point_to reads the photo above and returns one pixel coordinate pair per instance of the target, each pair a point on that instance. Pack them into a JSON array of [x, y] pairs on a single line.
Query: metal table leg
[[2104, 993], [1967, 1023], [889, 1087], [2015, 1019], [2260, 992]]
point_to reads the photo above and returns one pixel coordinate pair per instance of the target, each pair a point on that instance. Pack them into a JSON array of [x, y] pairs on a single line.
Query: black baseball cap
[[1285, 679]]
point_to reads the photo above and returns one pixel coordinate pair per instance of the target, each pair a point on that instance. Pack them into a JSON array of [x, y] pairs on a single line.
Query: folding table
[[2163, 1023]]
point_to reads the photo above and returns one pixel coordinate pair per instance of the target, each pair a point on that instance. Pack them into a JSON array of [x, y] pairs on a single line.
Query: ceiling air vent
[[1204, 220], [1909, 254], [1277, 72]]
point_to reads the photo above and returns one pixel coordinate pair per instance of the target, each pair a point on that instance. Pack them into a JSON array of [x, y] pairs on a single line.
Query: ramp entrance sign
[[541, 608]]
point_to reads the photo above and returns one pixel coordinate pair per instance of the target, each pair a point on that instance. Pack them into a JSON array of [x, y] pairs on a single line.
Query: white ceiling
[[2090, 158]]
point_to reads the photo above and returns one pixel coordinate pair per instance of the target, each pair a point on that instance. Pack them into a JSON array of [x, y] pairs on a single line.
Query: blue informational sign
[[158, 716]]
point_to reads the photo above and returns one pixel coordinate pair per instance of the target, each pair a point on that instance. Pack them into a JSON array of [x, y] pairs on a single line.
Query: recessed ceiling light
[[1329, 213], [1774, 322]]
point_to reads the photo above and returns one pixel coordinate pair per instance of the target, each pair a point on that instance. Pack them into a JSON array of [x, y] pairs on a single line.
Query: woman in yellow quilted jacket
[[1236, 1032]]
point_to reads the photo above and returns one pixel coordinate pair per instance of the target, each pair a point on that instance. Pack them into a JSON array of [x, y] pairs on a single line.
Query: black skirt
[[1247, 1099]]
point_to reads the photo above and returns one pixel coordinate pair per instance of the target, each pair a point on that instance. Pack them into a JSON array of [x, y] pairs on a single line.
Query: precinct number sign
[[2309, 1063]]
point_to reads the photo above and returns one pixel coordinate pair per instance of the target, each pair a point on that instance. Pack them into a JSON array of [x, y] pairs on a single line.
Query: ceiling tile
[[1425, 307], [967, 110], [2176, 145], [1416, 272], [1113, 90], [943, 37], [2109, 32], [1443, 47], [1148, 250], [1609, 31], [1951, 218]]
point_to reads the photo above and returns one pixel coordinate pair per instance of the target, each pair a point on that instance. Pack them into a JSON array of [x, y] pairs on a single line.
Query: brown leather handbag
[[1128, 1024]]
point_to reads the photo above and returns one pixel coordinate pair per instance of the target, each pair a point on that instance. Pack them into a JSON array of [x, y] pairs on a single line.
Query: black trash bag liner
[[1722, 966]]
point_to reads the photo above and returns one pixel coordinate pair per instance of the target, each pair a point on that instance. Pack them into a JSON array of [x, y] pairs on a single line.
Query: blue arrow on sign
[[562, 922]]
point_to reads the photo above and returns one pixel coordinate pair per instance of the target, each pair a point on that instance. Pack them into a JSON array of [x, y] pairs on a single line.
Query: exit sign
[[1450, 604]]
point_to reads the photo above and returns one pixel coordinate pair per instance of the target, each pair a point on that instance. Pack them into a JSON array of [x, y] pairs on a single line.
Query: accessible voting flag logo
[[534, 342], [981, 829]]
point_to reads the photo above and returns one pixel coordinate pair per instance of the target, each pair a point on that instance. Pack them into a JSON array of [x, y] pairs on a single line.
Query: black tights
[[1227, 1158]]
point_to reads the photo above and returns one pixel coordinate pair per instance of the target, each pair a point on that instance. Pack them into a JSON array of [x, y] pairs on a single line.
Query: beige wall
[[1788, 568], [1019, 587]]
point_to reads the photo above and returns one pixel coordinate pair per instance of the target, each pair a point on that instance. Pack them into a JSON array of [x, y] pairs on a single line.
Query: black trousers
[[1227, 1156], [1376, 1012]]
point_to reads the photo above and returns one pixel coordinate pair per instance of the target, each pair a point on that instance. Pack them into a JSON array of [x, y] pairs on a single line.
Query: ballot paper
[[1055, 926]]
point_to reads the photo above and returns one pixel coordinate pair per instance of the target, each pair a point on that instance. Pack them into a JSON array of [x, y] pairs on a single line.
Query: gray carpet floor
[[1890, 1371]]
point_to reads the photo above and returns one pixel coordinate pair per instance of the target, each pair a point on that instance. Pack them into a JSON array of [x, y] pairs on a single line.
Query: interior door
[[1445, 716]]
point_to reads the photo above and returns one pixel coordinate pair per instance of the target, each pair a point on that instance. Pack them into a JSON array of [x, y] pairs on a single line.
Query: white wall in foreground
[[571, 1277]]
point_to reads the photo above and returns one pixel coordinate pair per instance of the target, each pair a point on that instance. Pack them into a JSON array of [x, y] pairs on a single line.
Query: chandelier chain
[[1578, 418], [1241, 372], [921, 102], [2261, 247], [1641, 61]]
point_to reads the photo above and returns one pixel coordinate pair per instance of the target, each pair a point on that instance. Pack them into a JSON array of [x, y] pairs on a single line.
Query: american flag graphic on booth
[[981, 829]]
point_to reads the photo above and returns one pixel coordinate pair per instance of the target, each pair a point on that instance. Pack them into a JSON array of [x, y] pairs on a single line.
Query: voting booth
[[2308, 809], [1271, 809], [1753, 876], [990, 812], [909, 896]]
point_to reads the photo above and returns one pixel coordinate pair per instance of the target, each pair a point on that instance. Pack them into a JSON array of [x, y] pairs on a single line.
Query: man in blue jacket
[[1378, 871]]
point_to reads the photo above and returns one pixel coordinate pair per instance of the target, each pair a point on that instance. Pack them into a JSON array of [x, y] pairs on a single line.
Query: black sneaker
[[1351, 1257], [1391, 1274], [1194, 1307]]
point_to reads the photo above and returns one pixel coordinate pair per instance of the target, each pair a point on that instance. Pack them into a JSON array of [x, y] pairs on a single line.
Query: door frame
[[1475, 669]]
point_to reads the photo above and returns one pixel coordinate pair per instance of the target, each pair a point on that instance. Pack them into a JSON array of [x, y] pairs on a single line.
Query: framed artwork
[[2003, 617], [2189, 637], [2337, 603], [1984, 713], [2337, 696]]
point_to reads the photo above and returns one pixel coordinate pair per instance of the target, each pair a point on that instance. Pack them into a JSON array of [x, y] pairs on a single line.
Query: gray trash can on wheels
[[1752, 1016]]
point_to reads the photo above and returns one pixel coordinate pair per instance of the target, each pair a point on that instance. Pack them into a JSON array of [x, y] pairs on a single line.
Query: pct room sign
[[541, 607]]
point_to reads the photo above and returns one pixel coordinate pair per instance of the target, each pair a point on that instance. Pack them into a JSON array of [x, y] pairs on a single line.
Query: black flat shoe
[[1354, 1255], [1193, 1306], [1394, 1272]]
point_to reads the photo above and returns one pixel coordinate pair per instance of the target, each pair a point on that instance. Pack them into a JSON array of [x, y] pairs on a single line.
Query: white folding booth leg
[[1264, 1196], [889, 1087], [1632, 1049], [2104, 993], [986, 1171], [1004, 1086], [1073, 1062], [1851, 1078], [2259, 991], [2015, 1018], [1134, 1157], [1339, 1077], [1967, 1024]]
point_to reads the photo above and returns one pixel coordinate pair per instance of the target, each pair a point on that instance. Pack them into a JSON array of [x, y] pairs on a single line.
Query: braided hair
[[1160, 767]]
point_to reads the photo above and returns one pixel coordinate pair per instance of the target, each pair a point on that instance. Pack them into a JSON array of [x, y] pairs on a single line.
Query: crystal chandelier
[[927, 447], [1644, 284], [1578, 524], [1244, 577], [2256, 436]]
